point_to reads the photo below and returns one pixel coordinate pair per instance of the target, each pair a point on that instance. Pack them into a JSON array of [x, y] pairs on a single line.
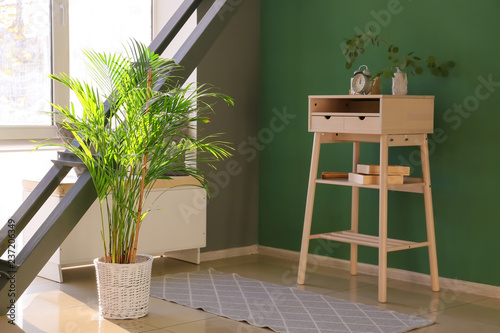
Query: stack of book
[[369, 174]]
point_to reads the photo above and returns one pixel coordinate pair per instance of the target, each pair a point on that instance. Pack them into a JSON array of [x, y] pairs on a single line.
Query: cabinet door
[[177, 221]]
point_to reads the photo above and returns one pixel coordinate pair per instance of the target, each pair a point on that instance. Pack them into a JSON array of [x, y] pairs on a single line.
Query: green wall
[[300, 56]]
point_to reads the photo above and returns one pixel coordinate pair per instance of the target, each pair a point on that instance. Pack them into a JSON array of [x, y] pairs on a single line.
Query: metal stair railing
[[19, 270]]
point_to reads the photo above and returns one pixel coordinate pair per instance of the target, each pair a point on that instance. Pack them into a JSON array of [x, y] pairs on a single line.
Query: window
[[105, 26], [39, 37], [24, 62], [54, 32]]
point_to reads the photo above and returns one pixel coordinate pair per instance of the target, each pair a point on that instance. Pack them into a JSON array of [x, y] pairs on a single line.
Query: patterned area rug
[[282, 309]]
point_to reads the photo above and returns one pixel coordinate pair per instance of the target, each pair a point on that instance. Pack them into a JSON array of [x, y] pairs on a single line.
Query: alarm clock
[[361, 83]]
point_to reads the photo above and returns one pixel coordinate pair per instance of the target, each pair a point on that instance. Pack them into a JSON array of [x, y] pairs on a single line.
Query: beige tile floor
[[72, 306]]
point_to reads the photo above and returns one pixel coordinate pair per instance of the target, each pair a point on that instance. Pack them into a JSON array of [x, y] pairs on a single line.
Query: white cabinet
[[175, 226]]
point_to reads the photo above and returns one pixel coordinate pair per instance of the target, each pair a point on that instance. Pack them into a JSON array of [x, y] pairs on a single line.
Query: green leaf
[[409, 61], [443, 67]]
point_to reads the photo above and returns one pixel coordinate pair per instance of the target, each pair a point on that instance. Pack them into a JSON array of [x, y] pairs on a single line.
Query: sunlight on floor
[[55, 311]]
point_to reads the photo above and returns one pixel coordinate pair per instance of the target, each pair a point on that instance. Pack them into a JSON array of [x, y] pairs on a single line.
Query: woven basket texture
[[124, 288]]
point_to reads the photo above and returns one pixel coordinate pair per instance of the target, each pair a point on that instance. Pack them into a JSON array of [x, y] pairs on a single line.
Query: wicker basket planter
[[124, 288]]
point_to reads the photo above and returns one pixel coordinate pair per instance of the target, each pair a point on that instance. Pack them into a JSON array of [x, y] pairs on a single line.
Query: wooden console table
[[391, 121]]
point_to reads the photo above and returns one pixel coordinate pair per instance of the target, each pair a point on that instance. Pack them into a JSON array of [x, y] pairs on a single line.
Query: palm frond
[[146, 132]]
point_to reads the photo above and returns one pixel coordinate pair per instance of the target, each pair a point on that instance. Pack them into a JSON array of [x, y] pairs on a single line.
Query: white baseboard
[[229, 253], [392, 273], [191, 255]]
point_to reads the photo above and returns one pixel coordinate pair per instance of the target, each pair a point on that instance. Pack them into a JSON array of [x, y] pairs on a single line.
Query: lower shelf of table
[[352, 237], [411, 184]]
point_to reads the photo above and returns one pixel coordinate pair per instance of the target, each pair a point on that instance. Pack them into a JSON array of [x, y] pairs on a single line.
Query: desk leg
[[382, 254], [311, 189], [355, 209], [429, 215]]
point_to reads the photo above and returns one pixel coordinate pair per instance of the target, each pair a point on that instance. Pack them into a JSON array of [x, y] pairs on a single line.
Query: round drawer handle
[[361, 118], [327, 117]]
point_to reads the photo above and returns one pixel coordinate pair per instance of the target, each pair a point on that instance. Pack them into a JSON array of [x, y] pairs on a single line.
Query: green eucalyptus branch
[[356, 46]]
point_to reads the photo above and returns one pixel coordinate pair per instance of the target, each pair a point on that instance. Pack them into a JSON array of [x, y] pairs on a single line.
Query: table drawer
[[362, 124], [326, 124], [352, 124]]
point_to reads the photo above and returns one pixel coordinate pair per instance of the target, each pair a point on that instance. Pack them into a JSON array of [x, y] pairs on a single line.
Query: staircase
[[20, 269]]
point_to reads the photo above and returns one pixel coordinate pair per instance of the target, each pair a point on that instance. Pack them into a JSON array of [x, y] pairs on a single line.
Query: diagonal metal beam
[[32, 204], [37, 252], [173, 26]]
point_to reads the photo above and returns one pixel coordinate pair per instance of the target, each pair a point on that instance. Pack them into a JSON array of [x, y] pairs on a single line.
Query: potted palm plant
[[130, 134]]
